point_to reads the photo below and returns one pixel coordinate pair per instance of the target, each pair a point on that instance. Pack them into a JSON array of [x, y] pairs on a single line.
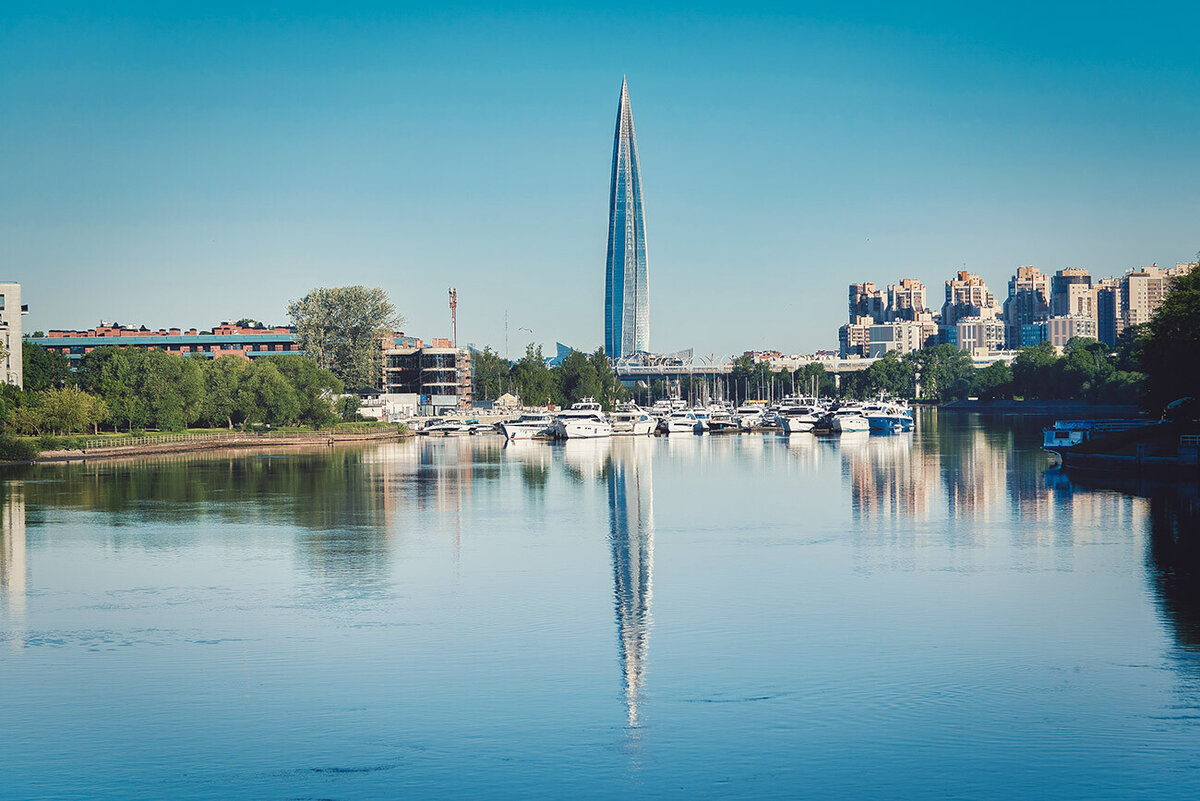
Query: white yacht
[[722, 421], [584, 420], [681, 421], [800, 419], [750, 415], [446, 426], [632, 420], [527, 426], [850, 418]]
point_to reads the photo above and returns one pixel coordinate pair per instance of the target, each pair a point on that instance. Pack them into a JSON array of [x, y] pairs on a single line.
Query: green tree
[[66, 410], [942, 372], [1031, 371], [347, 408], [577, 378], [221, 376], [43, 368], [993, 381], [340, 328], [108, 373], [535, 384], [1131, 344], [315, 389], [264, 396], [489, 374], [27, 419], [1170, 355], [609, 391]]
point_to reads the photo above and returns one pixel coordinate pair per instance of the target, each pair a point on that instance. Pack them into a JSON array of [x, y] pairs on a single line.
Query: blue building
[[626, 287]]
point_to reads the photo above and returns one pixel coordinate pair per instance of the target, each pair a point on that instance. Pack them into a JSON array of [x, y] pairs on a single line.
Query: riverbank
[[230, 441]]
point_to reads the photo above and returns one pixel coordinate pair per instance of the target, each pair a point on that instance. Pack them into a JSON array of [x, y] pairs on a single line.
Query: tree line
[[578, 376], [131, 389]]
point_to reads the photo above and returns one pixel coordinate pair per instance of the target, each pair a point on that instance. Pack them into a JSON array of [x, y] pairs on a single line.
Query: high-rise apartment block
[[906, 300], [1133, 298], [897, 322], [626, 287], [1028, 302], [11, 366], [866, 301], [967, 296], [1071, 293]]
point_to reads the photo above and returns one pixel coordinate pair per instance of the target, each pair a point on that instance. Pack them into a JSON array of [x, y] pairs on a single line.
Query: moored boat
[[632, 420], [527, 426], [584, 420]]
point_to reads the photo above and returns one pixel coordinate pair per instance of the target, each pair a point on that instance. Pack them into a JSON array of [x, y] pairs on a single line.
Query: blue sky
[[174, 166]]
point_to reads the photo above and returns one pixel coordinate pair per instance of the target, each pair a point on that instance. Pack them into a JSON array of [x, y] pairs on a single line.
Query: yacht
[[527, 426], [890, 416], [680, 421], [632, 420], [446, 427], [850, 418], [749, 415], [800, 419], [721, 421], [584, 420]]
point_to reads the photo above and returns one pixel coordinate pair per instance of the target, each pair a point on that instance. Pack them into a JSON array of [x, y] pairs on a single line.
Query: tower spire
[[626, 289]]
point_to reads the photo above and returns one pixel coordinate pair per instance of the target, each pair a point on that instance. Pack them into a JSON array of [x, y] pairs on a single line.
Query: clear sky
[[162, 165]]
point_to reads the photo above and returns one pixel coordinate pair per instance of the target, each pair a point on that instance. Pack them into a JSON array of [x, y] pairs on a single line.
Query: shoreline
[[234, 441]]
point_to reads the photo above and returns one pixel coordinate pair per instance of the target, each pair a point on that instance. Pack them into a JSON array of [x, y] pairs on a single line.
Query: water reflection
[[631, 541], [1174, 562], [13, 568]]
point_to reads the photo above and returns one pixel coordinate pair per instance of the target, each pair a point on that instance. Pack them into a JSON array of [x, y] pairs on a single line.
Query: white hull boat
[[633, 423], [584, 420], [527, 426]]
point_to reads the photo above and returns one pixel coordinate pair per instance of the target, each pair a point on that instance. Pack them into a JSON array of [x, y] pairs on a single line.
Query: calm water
[[919, 616]]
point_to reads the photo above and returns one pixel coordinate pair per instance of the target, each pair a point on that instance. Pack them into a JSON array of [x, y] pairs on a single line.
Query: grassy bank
[[20, 449]]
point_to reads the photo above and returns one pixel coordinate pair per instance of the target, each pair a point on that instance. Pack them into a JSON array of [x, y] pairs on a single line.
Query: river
[[927, 615]]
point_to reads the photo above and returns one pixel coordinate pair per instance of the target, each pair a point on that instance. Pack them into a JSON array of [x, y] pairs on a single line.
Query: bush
[[49, 442], [14, 449]]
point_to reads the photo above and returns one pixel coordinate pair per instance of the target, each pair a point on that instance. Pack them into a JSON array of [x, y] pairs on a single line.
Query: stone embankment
[[206, 442]]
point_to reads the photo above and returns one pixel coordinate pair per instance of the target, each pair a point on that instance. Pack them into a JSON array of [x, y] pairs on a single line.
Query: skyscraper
[[626, 288]]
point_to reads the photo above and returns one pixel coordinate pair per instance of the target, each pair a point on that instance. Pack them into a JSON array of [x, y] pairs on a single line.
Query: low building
[[438, 374], [226, 339], [900, 337], [12, 366], [979, 336], [1059, 330], [854, 339]]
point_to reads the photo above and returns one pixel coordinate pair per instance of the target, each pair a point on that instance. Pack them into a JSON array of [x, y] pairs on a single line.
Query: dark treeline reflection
[[1174, 562], [331, 488]]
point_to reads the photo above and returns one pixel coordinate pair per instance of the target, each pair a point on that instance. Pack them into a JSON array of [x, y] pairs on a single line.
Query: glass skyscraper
[[626, 289]]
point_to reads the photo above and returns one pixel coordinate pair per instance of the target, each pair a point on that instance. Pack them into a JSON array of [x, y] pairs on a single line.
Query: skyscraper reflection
[[631, 540]]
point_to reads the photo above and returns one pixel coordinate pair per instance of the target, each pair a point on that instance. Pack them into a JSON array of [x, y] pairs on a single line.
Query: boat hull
[[582, 429], [520, 431], [890, 423], [850, 423], [798, 425]]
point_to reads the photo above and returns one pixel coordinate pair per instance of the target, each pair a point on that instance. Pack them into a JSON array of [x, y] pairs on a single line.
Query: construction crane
[[454, 316]]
